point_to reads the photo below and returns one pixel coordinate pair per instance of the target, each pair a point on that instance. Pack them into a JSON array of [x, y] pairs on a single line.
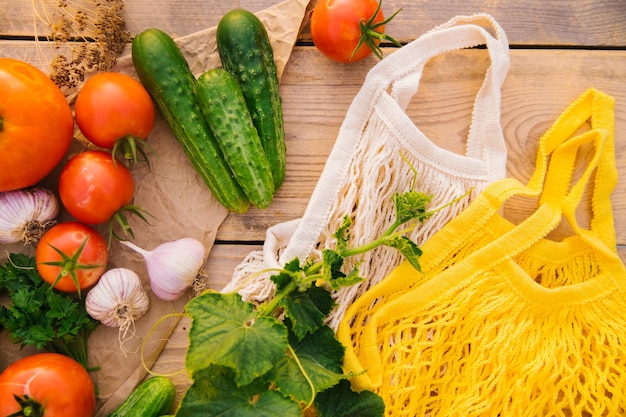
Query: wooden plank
[[178, 18], [222, 261], [536, 22]]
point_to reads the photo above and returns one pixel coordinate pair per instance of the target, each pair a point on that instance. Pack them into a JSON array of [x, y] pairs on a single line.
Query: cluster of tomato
[[113, 111]]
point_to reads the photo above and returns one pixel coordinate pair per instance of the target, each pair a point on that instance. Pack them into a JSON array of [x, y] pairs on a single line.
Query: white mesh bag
[[377, 147]]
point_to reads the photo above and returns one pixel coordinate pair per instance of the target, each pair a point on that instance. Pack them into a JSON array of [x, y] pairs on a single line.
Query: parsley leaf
[[40, 316]]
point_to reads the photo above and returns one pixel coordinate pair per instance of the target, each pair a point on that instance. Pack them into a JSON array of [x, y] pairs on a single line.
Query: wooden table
[[559, 48]]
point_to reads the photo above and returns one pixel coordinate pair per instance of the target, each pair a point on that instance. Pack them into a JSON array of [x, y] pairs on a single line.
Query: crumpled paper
[[179, 205]]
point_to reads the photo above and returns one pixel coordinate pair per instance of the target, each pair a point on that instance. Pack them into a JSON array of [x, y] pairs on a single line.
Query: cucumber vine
[[279, 358]]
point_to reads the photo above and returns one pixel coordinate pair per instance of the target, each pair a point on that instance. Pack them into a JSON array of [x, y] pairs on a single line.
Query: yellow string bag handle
[[488, 337]]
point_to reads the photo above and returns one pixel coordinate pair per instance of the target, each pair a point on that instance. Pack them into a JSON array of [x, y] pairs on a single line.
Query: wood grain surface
[[559, 49], [530, 23]]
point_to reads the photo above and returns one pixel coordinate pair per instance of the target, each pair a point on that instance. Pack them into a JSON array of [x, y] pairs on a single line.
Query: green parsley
[[40, 316]]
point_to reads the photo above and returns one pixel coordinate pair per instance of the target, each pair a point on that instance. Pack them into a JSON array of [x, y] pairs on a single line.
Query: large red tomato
[[71, 256], [54, 385], [114, 110], [36, 125], [348, 30], [93, 187]]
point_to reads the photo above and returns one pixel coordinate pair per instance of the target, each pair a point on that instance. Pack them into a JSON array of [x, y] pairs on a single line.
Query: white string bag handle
[[404, 75], [366, 163]]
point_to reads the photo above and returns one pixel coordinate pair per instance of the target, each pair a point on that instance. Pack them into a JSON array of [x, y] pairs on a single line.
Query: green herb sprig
[[279, 358], [40, 316]]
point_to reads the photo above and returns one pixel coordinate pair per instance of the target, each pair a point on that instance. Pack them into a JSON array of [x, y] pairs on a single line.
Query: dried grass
[[94, 32]]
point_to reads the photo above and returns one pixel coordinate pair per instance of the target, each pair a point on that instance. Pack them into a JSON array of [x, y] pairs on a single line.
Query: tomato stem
[[130, 147], [370, 36], [29, 407], [119, 217], [69, 265]]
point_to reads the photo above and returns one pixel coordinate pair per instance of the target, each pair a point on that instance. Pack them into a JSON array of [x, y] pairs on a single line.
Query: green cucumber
[[245, 50], [224, 107], [165, 73], [153, 397]]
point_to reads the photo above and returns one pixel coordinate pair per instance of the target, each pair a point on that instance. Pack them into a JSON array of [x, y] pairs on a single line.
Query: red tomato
[[55, 382], [77, 269], [36, 125], [93, 187], [113, 107], [335, 28]]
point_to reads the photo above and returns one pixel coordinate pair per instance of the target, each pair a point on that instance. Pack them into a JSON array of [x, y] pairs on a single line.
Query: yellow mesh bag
[[502, 320]]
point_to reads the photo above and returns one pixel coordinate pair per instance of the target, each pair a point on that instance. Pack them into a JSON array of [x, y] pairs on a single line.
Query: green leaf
[[18, 273], [226, 331], [346, 280], [341, 401], [214, 392], [26, 299], [342, 235], [411, 205], [60, 306], [409, 249], [332, 262], [307, 309], [317, 361], [285, 278], [322, 345], [38, 336], [40, 316]]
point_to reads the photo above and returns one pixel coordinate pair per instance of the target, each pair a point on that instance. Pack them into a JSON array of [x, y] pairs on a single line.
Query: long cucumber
[[245, 50], [165, 73], [224, 107]]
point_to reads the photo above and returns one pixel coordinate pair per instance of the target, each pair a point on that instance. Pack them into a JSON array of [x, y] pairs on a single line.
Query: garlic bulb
[[172, 266], [26, 214], [118, 299]]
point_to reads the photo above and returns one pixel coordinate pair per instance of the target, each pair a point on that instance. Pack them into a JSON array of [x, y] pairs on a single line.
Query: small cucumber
[[224, 107], [154, 397], [245, 50], [165, 73]]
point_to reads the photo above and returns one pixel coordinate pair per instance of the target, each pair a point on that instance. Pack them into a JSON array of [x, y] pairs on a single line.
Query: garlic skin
[[26, 214], [118, 299], [172, 266]]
